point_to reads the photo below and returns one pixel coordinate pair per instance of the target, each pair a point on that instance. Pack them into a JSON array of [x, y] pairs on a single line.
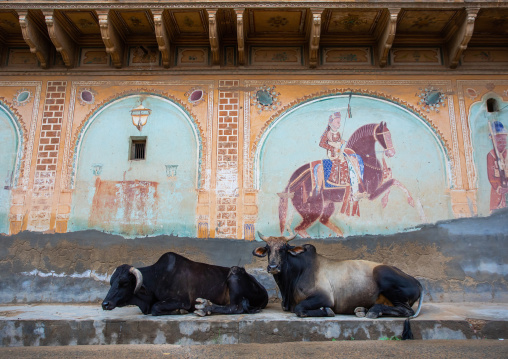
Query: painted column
[[47, 157], [227, 159]]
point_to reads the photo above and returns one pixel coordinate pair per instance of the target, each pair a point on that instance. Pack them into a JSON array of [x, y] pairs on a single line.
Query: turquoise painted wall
[[8, 148], [420, 164], [170, 140], [482, 145]]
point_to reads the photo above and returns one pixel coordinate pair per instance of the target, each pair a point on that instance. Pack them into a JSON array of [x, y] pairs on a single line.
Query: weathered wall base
[[44, 325], [456, 261]]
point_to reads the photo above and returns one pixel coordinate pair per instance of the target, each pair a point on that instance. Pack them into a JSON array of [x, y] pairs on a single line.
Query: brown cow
[[314, 286]]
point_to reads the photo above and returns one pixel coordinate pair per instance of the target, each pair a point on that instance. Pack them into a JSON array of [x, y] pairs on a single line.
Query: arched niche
[[489, 109], [421, 163], [11, 138], [114, 192]]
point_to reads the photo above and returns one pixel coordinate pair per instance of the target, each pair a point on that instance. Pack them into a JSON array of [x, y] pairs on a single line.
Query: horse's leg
[[410, 199], [325, 219], [310, 212], [386, 186], [384, 200]]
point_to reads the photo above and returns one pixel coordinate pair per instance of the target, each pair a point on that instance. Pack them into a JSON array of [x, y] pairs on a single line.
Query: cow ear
[[260, 251], [296, 250]]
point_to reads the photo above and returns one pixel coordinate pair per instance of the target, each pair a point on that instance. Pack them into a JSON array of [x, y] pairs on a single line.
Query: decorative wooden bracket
[[111, 38], [163, 38], [240, 36], [61, 39], [386, 40], [315, 35], [214, 36], [459, 41], [2, 43], [33, 36]]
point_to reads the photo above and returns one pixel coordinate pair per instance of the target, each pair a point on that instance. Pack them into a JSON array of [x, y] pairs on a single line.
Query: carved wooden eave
[[111, 38], [315, 34], [385, 42], [240, 35], [162, 36], [459, 41], [214, 36], [61, 39], [35, 39]]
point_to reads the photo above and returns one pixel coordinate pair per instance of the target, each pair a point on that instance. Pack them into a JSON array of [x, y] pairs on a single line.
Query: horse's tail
[[283, 209]]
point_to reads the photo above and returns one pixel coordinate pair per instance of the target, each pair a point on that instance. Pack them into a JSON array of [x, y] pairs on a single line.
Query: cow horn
[[264, 238], [290, 238], [139, 278]]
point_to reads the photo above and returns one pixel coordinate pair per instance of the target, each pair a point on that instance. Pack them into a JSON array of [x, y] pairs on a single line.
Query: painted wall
[[116, 194], [420, 163], [480, 118], [233, 144], [78, 202], [9, 142]]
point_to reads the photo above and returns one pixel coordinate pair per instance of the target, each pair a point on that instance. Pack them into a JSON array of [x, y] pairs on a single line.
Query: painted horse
[[314, 197]]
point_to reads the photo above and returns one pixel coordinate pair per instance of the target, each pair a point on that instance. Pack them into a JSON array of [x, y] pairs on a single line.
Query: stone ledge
[[52, 325]]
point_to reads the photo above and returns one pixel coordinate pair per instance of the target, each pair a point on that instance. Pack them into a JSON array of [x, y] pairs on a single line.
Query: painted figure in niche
[[497, 165], [351, 172]]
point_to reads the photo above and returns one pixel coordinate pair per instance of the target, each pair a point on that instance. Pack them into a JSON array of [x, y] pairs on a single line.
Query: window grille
[[138, 149]]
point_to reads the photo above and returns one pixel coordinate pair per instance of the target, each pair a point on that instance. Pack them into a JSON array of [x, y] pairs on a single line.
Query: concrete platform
[[88, 324]]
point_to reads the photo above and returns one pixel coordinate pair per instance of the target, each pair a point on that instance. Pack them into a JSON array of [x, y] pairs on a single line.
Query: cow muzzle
[[273, 269], [106, 305]]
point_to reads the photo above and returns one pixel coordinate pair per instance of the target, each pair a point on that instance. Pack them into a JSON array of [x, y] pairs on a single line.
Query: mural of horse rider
[[497, 166], [346, 166]]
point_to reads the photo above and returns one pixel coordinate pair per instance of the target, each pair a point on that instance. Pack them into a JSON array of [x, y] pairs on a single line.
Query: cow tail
[[407, 333], [283, 209]]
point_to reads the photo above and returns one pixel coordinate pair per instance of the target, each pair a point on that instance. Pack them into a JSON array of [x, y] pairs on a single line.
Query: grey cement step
[[88, 324]]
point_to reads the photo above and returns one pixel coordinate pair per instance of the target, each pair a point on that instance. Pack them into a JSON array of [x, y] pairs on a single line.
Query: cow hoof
[[202, 303], [329, 312], [201, 313], [203, 307], [360, 312], [372, 315]]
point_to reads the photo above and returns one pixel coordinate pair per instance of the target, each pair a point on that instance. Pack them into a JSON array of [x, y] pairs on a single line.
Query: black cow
[[314, 286], [174, 284]]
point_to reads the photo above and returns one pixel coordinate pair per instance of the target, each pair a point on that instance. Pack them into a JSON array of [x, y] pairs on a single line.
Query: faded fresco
[[489, 122], [9, 142], [326, 169], [116, 192]]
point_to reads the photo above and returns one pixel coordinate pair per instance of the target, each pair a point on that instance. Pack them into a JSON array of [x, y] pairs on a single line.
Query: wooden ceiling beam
[[162, 36], [35, 39], [213, 35], [61, 39], [315, 35], [240, 35], [111, 38], [460, 40], [385, 41]]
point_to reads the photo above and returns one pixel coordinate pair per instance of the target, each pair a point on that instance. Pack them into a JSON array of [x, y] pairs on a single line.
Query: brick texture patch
[[47, 156], [227, 160]]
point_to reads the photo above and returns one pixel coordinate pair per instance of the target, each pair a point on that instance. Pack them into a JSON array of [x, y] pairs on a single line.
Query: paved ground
[[430, 311], [420, 349], [62, 325]]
